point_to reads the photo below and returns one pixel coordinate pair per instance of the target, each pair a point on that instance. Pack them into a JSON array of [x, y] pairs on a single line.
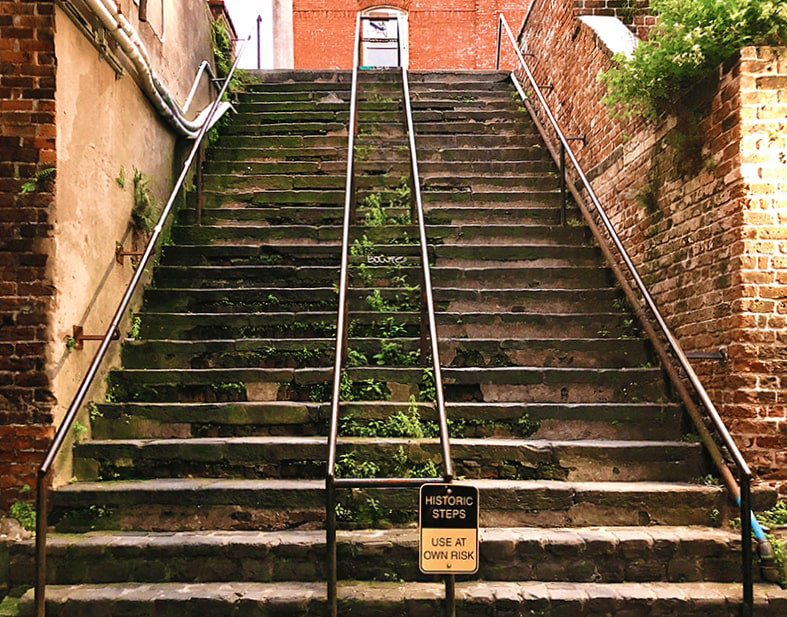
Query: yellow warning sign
[[448, 539]]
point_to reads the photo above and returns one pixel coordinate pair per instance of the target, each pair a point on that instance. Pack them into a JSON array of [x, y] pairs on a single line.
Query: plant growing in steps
[[402, 423], [393, 354], [143, 212], [120, 180], [362, 247], [25, 514], [356, 358], [426, 389]]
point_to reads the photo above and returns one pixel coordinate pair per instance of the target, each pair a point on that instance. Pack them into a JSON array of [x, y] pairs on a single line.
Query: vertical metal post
[[330, 543], [42, 489], [562, 184], [259, 43], [499, 41], [199, 182], [450, 595], [747, 608]]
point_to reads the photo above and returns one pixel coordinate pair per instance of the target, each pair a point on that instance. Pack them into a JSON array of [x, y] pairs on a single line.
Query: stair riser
[[281, 509], [602, 559], [566, 422]]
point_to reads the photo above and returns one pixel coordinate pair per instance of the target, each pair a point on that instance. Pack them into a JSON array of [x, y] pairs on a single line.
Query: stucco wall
[[698, 198]]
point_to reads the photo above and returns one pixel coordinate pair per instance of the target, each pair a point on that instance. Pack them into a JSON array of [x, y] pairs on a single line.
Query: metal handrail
[[741, 493], [331, 481], [42, 489]]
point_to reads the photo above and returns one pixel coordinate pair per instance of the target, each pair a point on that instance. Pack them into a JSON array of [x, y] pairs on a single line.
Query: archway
[[381, 45]]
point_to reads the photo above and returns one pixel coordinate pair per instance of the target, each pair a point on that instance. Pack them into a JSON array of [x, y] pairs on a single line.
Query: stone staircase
[[200, 489]]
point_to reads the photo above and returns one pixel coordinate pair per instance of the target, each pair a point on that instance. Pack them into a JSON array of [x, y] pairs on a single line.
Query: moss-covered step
[[211, 503], [228, 321], [265, 353], [289, 154], [482, 166], [604, 554], [535, 276], [566, 421], [536, 244], [277, 299], [238, 276], [250, 254], [578, 301], [555, 385], [304, 457], [466, 154], [571, 352], [612, 324], [533, 213]]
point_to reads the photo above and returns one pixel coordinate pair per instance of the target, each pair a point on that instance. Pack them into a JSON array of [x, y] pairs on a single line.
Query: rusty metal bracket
[[120, 253], [80, 337]]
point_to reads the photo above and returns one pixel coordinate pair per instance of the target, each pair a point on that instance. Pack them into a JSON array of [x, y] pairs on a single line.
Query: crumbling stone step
[[229, 321], [294, 352], [537, 213], [468, 154], [307, 214], [475, 599], [305, 126], [457, 300], [304, 457], [564, 351], [533, 276], [566, 421], [613, 324], [184, 254], [246, 275], [288, 154], [598, 555], [193, 504], [528, 384]]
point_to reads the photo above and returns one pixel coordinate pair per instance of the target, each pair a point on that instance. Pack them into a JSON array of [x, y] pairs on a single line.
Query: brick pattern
[[27, 146], [634, 13], [443, 34], [698, 201]]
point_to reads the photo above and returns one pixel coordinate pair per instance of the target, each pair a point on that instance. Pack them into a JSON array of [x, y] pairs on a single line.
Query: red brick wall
[[633, 13], [443, 34], [698, 200], [27, 146]]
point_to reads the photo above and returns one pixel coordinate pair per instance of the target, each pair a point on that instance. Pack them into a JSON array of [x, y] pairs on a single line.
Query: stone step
[[566, 421], [242, 182], [459, 300], [228, 320], [522, 384], [553, 274], [369, 166], [194, 504], [597, 555], [305, 457], [497, 215], [299, 352], [292, 154], [340, 102], [474, 599], [369, 113]]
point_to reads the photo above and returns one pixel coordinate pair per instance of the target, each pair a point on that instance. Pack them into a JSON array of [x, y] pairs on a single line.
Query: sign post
[[448, 529]]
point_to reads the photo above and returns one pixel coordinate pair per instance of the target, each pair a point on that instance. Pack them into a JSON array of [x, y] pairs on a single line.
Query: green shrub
[[691, 39]]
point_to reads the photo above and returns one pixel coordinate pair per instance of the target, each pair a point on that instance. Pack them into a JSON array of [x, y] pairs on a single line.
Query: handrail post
[[199, 183], [747, 608], [330, 545], [499, 41], [450, 595], [562, 184], [42, 504]]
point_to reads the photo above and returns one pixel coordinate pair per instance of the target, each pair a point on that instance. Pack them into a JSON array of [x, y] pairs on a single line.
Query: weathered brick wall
[[633, 13], [443, 34], [696, 199], [27, 147]]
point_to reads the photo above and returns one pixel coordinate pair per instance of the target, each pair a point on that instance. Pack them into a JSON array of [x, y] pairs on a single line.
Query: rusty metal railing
[[670, 354], [331, 481]]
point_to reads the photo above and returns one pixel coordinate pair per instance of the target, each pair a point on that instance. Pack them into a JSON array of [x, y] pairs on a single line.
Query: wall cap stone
[[613, 33]]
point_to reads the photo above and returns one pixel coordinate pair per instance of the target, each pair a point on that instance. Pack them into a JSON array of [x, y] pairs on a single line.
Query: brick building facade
[[442, 34], [27, 148], [700, 201]]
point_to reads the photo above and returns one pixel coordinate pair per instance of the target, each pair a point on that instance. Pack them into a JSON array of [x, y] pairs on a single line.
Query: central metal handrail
[[742, 491], [44, 471], [331, 481]]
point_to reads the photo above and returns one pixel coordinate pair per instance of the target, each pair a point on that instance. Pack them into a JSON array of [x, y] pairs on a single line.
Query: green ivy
[[689, 42]]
